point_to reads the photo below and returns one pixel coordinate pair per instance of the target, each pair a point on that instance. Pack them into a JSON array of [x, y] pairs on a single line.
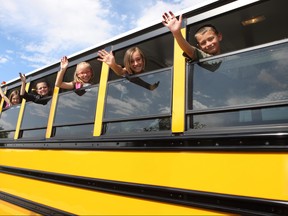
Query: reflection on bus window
[[7, 134], [75, 131], [72, 108], [264, 116], [8, 121], [35, 115], [35, 134], [126, 99], [247, 78], [250, 78], [75, 113], [150, 125]]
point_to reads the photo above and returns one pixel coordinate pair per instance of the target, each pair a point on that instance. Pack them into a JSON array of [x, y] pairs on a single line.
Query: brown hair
[[34, 90], [128, 56], [205, 28]]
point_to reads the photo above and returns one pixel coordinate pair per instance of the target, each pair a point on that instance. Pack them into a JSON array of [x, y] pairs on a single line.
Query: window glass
[[35, 115], [253, 77], [7, 134], [9, 118], [131, 98], [40, 133], [275, 115], [75, 107], [75, 131], [162, 124]]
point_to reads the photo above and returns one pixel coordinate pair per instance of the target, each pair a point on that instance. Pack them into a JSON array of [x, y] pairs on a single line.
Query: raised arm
[[59, 79], [4, 96], [23, 85], [174, 25], [109, 59]]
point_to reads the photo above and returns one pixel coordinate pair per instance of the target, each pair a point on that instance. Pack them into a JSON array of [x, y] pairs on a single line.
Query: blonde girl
[[83, 75], [13, 99]]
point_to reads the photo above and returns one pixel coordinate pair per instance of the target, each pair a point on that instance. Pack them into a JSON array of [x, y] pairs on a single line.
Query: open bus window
[[13, 95], [69, 74], [255, 79], [158, 54], [37, 109], [238, 35], [43, 97]]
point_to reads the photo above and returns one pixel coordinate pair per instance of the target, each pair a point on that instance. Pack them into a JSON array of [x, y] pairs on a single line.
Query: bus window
[[76, 108], [274, 115], [34, 133], [158, 54], [248, 26], [81, 131], [253, 79], [35, 117], [13, 95], [69, 74], [8, 122], [128, 104]]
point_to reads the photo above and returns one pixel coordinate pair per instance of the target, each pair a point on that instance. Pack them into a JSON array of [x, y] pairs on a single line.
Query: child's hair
[[34, 89], [86, 64], [14, 93], [128, 56], [205, 28]]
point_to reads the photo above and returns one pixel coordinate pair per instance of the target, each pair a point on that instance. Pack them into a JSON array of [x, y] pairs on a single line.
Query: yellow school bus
[[202, 143]]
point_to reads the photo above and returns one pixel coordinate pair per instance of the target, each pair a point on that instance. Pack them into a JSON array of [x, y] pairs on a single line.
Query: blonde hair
[[87, 65], [14, 93], [128, 57]]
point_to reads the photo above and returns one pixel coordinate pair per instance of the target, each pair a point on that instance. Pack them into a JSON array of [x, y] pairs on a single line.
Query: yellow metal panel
[[88, 202], [21, 112], [178, 102], [2, 103], [263, 175], [52, 112], [101, 100], [7, 208]]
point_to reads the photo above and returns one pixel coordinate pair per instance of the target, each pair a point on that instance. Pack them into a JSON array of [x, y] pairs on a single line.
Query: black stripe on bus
[[274, 142], [32, 206], [205, 200]]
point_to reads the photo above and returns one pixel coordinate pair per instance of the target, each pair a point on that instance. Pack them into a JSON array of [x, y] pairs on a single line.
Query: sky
[[37, 33]]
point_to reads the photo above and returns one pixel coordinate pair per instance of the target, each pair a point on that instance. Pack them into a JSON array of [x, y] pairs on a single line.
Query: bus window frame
[[234, 108]]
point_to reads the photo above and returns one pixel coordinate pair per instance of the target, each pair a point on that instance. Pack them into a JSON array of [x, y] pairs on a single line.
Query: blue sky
[[37, 33]]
